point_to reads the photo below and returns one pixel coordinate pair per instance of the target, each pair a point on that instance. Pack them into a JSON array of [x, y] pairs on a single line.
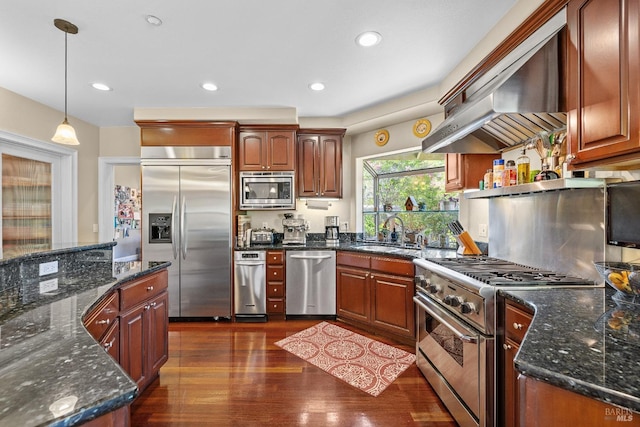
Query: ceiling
[[259, 53]]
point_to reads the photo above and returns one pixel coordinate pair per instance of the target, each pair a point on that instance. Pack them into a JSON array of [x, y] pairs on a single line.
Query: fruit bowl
[[621, 276]]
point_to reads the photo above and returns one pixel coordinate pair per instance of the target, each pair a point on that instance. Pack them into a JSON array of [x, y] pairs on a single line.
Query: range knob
[[453, 300], [467, 307], [419, 280], [434, 289]]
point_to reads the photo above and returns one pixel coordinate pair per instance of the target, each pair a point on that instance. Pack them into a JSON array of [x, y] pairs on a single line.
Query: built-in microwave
[[267, 190]]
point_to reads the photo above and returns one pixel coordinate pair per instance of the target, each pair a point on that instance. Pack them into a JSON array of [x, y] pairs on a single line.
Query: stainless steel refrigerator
[[186, 211]]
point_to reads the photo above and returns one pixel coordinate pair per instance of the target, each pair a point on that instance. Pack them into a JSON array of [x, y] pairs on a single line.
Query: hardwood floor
[[232, 374]]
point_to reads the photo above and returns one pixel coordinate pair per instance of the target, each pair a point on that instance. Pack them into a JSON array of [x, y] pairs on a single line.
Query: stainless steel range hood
[[511, 103]]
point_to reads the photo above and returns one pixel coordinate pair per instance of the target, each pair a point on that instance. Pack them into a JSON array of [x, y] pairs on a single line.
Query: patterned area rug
[[357, 360]]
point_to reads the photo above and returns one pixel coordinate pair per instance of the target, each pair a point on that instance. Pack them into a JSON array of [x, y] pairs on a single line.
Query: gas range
[[467, 285]]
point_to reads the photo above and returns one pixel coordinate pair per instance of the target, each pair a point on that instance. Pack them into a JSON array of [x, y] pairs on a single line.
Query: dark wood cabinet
[[543, 404], [187, 133], [267, 148], [376, 293], [275, 284], [320, 163], [516, 322], [603, 83], [144, 327], [464, 171]]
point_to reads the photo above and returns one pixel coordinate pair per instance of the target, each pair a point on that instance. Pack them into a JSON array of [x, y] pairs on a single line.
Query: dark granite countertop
[[571, 344], [372, 248], [48, 361]]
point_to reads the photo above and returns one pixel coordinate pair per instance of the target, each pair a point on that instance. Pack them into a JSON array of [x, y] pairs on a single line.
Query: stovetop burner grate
[[498, 272]]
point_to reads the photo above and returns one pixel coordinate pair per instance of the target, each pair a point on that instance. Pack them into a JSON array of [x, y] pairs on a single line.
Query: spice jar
[[488, 179]]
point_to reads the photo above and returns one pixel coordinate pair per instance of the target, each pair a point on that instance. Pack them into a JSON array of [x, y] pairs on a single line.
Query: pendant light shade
[[65, 133]]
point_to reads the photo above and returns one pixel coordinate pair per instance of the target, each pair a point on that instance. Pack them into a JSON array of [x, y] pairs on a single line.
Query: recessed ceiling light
[[316, 86], [209, 86], [368, 39], [100, 86], [153, 20]]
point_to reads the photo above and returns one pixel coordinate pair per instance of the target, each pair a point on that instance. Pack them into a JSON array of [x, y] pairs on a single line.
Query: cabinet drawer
[[275, 290], [275, 306], [137, 291], [517, 322], [275, 257], [275, 272], [396, 266], [353, 259], [100, 318]]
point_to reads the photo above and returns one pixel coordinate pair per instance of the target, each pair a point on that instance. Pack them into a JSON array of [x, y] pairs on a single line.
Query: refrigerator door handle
[[174, 206], [183, 227]]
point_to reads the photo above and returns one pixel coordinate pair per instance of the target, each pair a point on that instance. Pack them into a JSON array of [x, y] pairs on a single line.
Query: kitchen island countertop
[[51, 370], [569, 345]]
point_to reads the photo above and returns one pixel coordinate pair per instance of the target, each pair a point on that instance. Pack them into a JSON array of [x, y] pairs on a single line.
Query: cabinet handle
[[518, 326], [373, 277], [102, 322], [506, 346], [147, 307], [108, 345], [569, 158], [275, 274], [153, 304], [275, 306], [149, 288]]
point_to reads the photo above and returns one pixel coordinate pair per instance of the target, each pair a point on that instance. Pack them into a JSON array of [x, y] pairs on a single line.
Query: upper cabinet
[[171, 133], [603, 81], [320, 163], [267, 148], [463, 171]]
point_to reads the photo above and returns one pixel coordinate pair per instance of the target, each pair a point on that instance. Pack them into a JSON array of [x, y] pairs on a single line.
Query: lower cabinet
[[275, 284], [517, 319], [543, 404], [144, 327], [376, 293]]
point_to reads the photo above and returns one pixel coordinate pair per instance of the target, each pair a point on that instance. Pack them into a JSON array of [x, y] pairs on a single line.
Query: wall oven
[[267, 190]]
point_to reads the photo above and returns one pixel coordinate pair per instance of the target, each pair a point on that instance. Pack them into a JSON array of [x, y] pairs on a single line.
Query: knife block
[[467, 245]]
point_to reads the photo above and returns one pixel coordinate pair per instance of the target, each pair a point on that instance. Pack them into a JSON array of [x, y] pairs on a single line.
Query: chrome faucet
[[401, 235]]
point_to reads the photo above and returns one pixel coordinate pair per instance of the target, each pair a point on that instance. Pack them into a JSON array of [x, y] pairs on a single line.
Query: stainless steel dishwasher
[[250, 286], [311, 283]]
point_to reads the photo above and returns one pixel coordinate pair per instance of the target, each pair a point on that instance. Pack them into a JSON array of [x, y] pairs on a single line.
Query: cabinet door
[[330, 166], [464, 171], [393, 305], [158, 333], [281, 151], [308, 165], [453, 172], [133, 357], [353, 294], [252, 151], [603, 66], [511, 397]]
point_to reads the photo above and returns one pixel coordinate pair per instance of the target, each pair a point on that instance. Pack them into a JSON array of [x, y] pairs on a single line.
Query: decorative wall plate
[[382, 137], [421, 128]]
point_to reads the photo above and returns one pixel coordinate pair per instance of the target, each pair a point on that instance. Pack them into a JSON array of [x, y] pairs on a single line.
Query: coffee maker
[[332, 230], [295, 231]]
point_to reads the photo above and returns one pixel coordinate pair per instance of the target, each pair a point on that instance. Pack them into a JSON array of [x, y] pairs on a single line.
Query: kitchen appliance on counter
[[332, 230], [295, 231], [267, 190], [311, 283], [250, 286], [456, 326], [261, 237], [186, 202]]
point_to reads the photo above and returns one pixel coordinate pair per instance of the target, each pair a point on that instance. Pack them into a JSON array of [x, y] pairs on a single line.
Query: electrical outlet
[[265, 225], [345, 226], [48, 268], [49, 285], [482, 230]]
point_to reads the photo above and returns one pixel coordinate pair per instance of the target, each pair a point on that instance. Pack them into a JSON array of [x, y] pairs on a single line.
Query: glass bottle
[[523, 165], [488, 179]]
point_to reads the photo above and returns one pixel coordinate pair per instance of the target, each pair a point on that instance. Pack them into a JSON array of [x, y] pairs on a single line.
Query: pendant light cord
[[65, 75]]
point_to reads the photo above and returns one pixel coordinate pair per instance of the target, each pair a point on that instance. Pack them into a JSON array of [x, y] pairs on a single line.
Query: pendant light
[[65, 133]]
